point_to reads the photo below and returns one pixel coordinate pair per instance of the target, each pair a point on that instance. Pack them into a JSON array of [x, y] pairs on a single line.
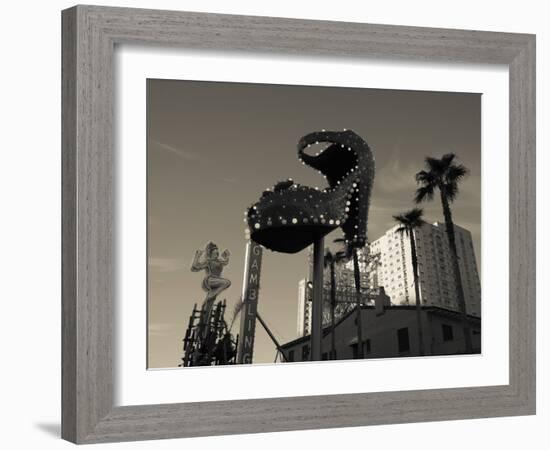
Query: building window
[[447, 332], [403, 340], [305, 353], [290, 356], [366, 347]]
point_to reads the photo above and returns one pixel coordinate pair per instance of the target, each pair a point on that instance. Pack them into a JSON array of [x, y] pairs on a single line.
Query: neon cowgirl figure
[[212, 263]]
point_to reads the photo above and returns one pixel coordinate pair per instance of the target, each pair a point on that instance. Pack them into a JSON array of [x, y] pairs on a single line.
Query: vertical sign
[[251, 287]]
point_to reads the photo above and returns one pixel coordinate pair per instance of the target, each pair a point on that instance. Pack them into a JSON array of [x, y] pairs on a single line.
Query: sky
[[212, 148]]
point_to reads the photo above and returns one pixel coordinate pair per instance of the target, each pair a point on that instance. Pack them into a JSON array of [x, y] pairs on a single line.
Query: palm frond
[[424, 193], [409, 220], [442, 174], [434, 165], [456, 173], [447, 160], [414, 217], [401, 218], [423, 177], [451, 191], [403, 230]]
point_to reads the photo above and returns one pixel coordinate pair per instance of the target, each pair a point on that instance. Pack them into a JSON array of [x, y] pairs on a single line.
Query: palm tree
[[409, 222], [352, 252], [445, 175]]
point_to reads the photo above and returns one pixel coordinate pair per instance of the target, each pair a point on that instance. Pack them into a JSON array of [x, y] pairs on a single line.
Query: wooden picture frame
[[90, 34]]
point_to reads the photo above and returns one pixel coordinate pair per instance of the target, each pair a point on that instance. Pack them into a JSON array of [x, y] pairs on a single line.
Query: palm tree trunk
[[357, 278], [417, 294], [449, 226], [332, 311]]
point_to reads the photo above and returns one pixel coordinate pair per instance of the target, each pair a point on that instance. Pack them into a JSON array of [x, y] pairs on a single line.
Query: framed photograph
[[278, 224]]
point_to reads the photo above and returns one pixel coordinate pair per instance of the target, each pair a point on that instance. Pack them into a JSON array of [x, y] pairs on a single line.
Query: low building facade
[[390, 331]]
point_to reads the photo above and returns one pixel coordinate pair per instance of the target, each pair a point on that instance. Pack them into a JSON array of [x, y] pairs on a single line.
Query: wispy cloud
[[166, 264], [159, 329], [186, 155], [395, 176]]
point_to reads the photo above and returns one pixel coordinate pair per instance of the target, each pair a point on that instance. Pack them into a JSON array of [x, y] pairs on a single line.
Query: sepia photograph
[[289, 224]]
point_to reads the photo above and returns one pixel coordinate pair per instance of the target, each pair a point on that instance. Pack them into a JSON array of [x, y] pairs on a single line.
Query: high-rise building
[[435, 268], [303, 326]]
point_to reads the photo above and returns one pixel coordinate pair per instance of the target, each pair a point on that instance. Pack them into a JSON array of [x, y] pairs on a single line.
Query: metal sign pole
[[270, 334], [317, 306], [251, 287]]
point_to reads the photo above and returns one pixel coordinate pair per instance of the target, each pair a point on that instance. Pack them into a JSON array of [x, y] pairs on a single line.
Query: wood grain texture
[[89, 37], [68, 226]]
